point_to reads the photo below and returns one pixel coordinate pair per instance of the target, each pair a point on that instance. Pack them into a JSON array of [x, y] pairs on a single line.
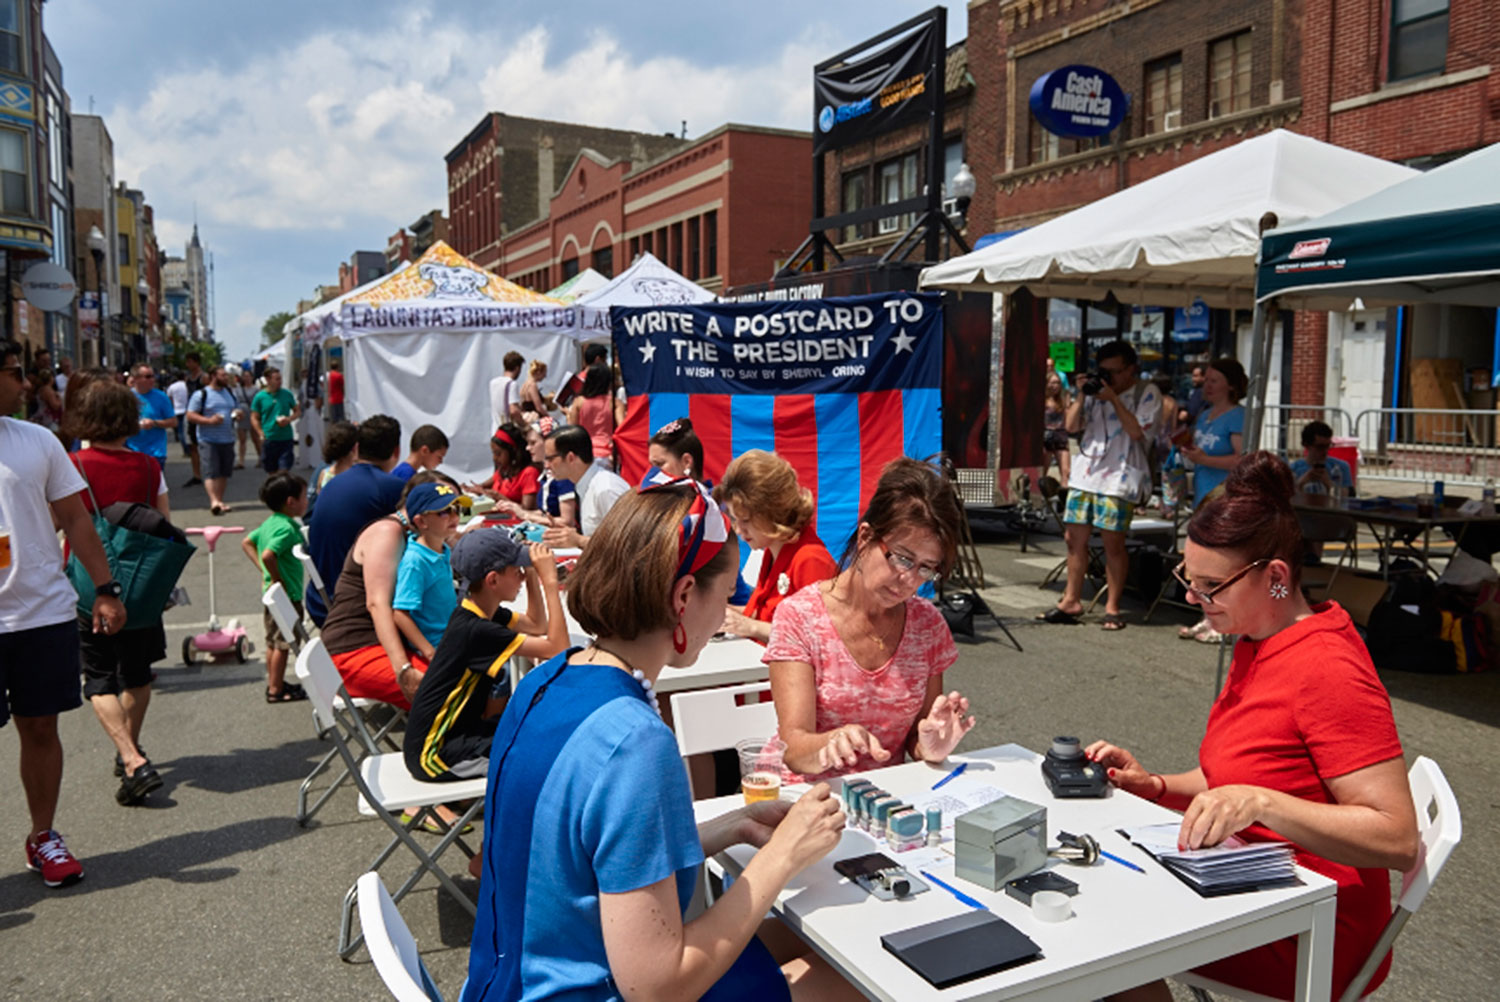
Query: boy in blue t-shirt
[[425, 595]]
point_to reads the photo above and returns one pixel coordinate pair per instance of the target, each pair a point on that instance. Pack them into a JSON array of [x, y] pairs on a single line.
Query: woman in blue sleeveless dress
[[590, 848]]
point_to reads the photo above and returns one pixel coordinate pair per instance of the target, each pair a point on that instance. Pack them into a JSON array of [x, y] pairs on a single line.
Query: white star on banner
[[648, 352], [903, 341]]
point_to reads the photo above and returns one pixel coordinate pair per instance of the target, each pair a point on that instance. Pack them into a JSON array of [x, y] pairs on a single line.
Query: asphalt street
[[211, 890]]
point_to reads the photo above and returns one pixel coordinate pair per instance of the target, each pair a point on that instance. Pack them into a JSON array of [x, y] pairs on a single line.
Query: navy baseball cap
[[480, 551], [433, 496]]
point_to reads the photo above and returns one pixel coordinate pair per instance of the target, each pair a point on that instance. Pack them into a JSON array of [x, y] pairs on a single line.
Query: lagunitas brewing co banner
[[865, 97]]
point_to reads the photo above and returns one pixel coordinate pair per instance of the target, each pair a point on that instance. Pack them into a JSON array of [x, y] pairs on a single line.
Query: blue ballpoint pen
[[960, 895], [960, 768], [1122, 862]]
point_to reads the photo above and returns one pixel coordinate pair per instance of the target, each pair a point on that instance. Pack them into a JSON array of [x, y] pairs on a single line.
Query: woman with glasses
[[857, 662], [772, 512], [1300, 746]]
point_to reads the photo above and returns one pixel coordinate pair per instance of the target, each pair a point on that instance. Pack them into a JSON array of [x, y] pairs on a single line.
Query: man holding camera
[[1117, 413]]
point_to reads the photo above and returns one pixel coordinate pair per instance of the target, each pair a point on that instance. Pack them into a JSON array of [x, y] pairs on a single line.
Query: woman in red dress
[[515, 476], [1300, 746], [771, 512]]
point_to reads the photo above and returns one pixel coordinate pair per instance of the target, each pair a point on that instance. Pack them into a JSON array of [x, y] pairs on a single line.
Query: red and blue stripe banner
[[836, 387]]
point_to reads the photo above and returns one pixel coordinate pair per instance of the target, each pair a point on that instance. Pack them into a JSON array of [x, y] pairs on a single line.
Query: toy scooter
[[216, 644]]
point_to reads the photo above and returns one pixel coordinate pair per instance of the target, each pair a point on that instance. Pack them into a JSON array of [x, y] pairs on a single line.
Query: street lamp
[[962, 189], [95, 241]]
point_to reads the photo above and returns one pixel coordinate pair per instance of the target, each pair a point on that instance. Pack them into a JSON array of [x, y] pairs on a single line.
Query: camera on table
[[1093, 383], [1069, 774]]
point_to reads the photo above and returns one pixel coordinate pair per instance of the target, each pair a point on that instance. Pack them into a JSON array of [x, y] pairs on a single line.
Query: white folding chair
[[392, 947], [1440, 828], [310, 572], [710, 720], [386, 785], [285, 614]]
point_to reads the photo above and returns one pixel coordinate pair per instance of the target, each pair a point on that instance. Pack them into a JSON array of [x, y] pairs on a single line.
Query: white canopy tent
[[647, 282], [1191, 233], [277, 354], [586, 281], [422, 344]]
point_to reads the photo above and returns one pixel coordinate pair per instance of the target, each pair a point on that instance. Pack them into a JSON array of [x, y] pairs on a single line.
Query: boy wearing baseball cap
[[456, 707], [424, 580]]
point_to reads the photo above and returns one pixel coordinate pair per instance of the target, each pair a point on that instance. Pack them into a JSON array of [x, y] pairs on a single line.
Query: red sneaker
[[50, 857]]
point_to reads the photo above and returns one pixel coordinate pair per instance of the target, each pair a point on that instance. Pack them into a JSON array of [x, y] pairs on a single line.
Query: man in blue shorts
[[39, 651], [1110, 476]]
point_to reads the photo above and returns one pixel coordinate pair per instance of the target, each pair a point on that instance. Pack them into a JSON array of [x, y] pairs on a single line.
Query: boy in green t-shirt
[[272, 413], [269, 548]]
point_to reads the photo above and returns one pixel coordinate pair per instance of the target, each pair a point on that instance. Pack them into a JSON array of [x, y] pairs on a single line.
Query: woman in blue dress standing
[[1218, 442], [591, 853]]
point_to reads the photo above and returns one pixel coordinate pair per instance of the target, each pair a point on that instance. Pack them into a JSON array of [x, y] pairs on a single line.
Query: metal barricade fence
[[1425, 444], [1281, 428]]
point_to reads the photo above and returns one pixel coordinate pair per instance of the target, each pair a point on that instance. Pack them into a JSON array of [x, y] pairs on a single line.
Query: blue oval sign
[[1078, 101]]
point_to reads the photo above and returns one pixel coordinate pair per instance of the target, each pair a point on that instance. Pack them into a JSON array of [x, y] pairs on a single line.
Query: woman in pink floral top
[[857, 662]]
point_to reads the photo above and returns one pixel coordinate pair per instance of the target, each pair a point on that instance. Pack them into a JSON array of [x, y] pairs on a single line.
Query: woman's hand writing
[[843, 747], [1216, 814], [944, 726]]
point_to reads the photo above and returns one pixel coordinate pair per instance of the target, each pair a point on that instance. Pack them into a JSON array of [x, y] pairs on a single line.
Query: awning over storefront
[[1191, 233], [1433, 238]]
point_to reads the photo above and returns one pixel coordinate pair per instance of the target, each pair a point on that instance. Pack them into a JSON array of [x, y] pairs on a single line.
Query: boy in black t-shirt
[[458, 703]]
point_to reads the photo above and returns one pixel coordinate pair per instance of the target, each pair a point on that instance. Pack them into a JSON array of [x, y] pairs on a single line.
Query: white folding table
[[1127, 928]]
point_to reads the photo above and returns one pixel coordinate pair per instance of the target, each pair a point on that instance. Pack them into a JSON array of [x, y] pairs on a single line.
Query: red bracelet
[[1157, 799]]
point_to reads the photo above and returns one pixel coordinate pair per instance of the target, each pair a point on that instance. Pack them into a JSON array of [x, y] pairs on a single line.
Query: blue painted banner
[[837, 387]]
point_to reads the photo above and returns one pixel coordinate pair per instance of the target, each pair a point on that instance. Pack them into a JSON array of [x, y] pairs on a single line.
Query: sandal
[[217, 509], [1059, 618], [1195, 631], [1209, 636], [1112, 622], [431, 825], [290, 693]]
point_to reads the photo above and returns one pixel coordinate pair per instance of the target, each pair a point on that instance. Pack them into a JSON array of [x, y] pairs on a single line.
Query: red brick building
[[722, 210], [504, 173], [1406, 82]]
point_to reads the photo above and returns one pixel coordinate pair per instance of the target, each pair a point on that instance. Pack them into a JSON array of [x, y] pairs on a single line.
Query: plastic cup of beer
[[4, 547], [760, 768]]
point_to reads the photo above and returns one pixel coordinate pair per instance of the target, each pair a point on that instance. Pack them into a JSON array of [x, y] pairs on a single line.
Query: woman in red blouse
[[1300, 746], [515, 477], [770, 511], [117, 669]]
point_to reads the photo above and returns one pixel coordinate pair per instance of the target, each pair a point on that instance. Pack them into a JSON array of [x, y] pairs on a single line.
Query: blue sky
[[306, 131]]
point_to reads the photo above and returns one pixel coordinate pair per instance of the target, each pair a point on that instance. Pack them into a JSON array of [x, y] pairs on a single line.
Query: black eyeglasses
[[903, 564], [1206, 595]]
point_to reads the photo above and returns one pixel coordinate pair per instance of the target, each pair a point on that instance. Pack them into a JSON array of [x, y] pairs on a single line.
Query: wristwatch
[[109, 589]]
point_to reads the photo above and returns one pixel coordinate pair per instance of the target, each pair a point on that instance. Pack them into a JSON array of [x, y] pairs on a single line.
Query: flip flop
[[217, 509], [431, 826], [290, 693], [1059, 618], [1112, 622]]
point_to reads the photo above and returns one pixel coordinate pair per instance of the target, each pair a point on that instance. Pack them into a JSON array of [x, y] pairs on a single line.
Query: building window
[[1229, 75], [898, 181], [1419, 37], [677, 248], [711, 243], [694, 249], [12, 52], [953, 158], [1045, 145], [635, 248], [569, 269], [604, 260], [124, 239], [56, 140], [15, 177], [1164, 94], [855, 196]]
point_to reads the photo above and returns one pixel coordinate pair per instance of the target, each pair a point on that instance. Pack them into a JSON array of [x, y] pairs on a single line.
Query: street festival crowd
[[1300, 746]]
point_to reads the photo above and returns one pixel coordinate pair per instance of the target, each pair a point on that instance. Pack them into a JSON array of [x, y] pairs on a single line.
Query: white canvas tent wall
[[423, 344], [1192, 232], [277, 354], [586, 281]]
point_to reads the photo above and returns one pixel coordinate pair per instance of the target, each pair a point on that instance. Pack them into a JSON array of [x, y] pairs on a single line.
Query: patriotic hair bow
[[704, 529]]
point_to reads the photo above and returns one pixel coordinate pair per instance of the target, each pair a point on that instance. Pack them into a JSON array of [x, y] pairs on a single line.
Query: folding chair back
[[320, 677], [310, 571], [392, 947], [282, 611], [711, 720]]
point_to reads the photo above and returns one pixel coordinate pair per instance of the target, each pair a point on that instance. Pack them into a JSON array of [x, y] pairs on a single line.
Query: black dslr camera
[[1092, 383], [1069, 774]]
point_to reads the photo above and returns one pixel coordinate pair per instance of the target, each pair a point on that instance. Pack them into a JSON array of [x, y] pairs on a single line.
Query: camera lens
[[1066, 747]]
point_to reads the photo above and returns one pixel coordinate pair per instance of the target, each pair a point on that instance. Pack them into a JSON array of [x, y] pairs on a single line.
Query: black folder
[[961, 948]]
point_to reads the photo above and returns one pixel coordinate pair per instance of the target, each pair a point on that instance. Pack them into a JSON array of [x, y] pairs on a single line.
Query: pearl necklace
[[638, 675]]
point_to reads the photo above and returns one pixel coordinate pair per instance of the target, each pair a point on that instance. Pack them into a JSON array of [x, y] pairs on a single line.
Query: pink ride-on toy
[[216, 644]]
